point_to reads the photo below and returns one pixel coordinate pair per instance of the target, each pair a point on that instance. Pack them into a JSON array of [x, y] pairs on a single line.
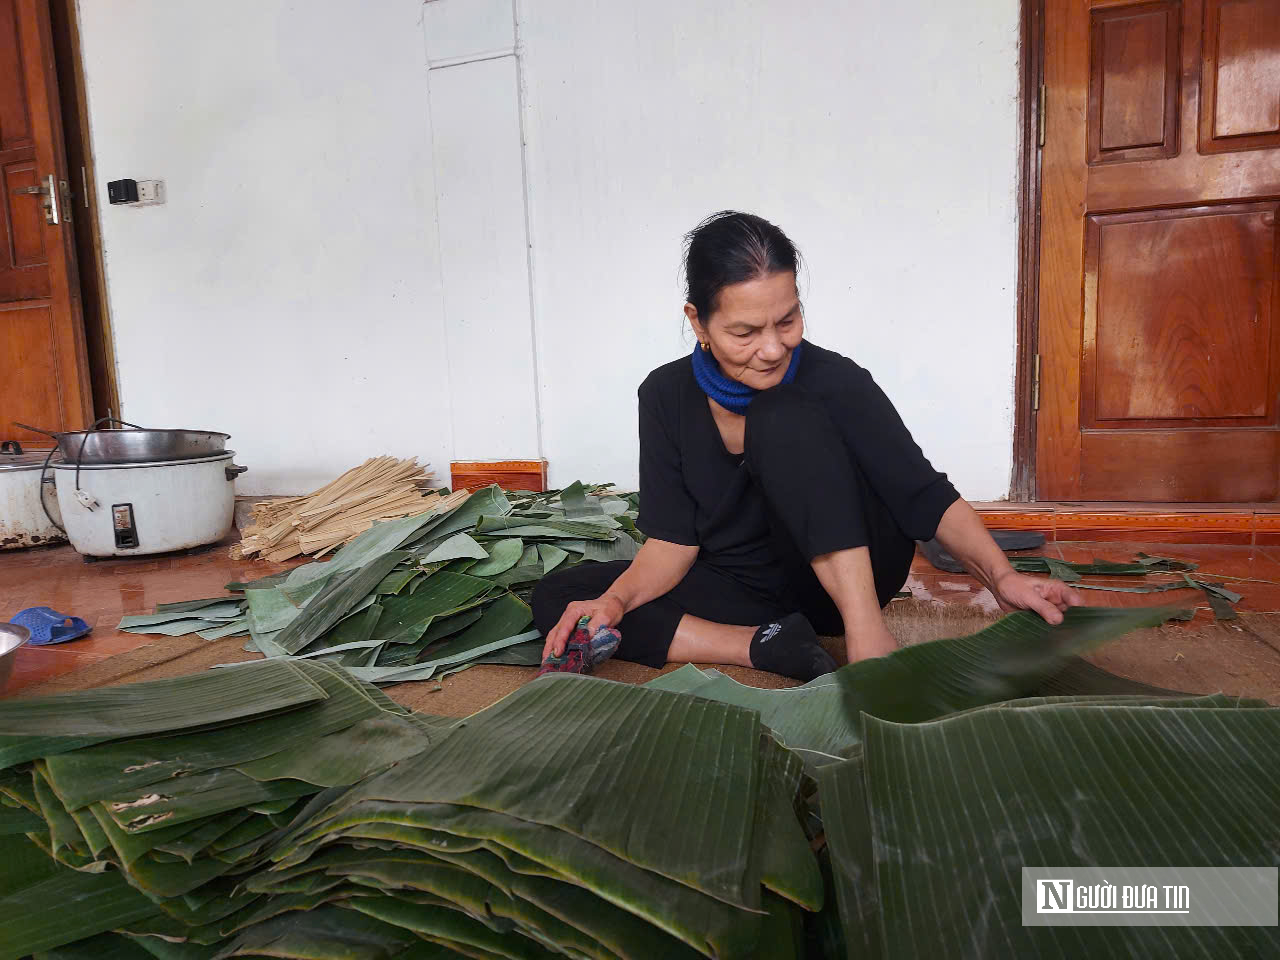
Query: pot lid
[[27, 460]]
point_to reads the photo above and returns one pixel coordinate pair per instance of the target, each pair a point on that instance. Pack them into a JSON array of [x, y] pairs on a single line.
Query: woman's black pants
[[819, 503]]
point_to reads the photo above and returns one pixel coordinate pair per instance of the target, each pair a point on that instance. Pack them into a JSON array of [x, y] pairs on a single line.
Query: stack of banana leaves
[[422, 596], [285, 809]]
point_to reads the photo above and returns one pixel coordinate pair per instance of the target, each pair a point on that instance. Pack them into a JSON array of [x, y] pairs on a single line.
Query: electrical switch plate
[[150, 192]]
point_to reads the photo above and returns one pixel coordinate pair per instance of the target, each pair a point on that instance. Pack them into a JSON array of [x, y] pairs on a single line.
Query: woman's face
[[755, 326]]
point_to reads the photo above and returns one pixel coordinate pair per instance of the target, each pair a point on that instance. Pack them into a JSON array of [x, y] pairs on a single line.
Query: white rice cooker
[[124, 509], [29, 513], [127, 492]]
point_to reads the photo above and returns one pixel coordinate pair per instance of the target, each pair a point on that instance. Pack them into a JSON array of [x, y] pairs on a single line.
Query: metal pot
[[140, 445], [12, 639], [25, 520], [135, 444]]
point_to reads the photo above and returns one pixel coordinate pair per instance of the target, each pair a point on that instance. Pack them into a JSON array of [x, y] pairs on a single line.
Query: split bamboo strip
[[381, 488]]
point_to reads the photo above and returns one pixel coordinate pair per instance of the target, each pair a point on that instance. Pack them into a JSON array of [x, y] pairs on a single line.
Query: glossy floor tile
[[104, 591], [1251, 571]]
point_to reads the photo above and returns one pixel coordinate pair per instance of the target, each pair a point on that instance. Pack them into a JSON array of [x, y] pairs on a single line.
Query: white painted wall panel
[[467, 28], [288, 292], [299, 291], [480, 193], [881, 138]]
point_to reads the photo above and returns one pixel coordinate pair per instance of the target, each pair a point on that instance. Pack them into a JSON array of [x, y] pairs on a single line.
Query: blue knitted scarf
[[731, 394]]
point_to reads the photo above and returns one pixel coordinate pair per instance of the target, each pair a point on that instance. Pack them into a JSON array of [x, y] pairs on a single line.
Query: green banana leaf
[[1011, 658], [326, 933], [225, 609], [65, 908], [551, 556], [502, 556], [575, 502], [558, 786], [335, 601], [269, 610], [490, 501], [1125, 785], [97, 772], [173, 628], [50, 725], [104, 946], [621, 547], [233, 628], [599, 528], [458, 546], [406, 618], [428, 664], [403, 654], [187, 606], [396, 580]]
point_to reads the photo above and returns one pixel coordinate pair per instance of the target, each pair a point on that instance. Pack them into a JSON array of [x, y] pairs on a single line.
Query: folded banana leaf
[[585, 818], [374, 607], [501, 557], [1011, 658], [52, 725], [931, 825]]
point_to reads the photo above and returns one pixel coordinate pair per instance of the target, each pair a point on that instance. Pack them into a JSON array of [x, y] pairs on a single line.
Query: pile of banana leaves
[[423, 596], [283, 808]]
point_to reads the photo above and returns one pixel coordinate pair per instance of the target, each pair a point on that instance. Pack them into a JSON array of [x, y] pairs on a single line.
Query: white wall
[[288, 292], [882, 138], [294, 291], [480, 195]]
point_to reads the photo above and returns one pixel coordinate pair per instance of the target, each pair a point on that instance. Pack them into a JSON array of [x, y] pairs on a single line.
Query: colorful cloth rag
[[584, 651]]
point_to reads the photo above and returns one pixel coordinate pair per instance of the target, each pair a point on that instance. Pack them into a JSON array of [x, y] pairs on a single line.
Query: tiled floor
[[105, 591], [102, 593], [1252, 572]]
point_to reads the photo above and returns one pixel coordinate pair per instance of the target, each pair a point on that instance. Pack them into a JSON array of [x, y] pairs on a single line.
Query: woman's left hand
[[1049, 598]]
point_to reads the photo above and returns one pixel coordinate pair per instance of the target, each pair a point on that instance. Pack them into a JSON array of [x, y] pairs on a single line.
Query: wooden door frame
[[1022, 485], [88, 267]]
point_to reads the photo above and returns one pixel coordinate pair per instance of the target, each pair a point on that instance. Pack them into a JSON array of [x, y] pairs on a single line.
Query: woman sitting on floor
[[780, 492]]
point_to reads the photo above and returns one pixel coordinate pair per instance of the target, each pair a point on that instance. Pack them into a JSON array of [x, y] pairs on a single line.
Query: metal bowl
[[139, 445], [12, 638]]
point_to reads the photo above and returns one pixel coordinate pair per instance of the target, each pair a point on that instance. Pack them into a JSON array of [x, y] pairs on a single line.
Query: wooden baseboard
[[1240, 524], [508, 474]]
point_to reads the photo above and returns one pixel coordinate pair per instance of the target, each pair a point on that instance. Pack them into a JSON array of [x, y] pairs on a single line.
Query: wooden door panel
[[1160, 261], [29, 388], [25, 217], [15, 119], [1179, 310], [1201, 465], [1133, 88], [42, 342], [1191, 178], [1240, 108]]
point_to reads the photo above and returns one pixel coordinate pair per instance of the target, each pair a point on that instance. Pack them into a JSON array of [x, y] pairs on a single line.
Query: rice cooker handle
[[234, 471], [11, 446]]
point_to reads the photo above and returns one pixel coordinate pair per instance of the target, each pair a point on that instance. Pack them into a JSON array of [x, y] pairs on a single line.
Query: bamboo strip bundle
[[381, 488]]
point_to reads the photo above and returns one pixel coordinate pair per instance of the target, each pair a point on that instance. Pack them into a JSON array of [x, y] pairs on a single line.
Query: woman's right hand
[[604, 611]]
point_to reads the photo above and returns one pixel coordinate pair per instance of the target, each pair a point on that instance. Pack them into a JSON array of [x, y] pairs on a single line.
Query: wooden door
[[1159, 291], [43, 366]]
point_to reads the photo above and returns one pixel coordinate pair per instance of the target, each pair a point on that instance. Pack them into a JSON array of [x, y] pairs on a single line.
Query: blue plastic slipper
[[49, 626]]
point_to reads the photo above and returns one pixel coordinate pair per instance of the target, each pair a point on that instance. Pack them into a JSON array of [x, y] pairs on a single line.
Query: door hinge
[[1044, 96], [1035, 384]]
